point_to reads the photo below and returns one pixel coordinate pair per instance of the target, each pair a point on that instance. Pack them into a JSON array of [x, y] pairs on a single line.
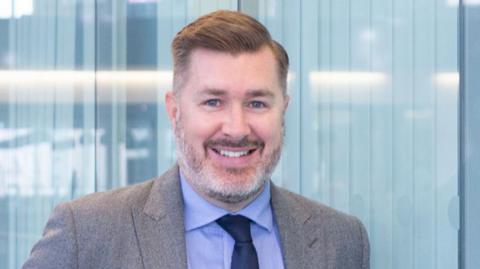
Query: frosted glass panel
[[47, 127], [81, 103], [375, 96]]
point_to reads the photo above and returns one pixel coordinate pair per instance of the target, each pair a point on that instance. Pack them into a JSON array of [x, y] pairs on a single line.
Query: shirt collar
[[199, 212]]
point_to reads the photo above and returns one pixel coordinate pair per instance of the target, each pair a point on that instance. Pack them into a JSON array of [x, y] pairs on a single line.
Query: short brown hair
[[224, 31]]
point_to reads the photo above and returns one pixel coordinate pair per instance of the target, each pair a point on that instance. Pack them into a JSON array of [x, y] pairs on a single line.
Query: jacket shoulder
[[298, 204], [111, 201], [343, 236]]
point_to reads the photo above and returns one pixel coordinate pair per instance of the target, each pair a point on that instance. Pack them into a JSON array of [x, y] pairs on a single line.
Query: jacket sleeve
[[58, 246], [366, 246]]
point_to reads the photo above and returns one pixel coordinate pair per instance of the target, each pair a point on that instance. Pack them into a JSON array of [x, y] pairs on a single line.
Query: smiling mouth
[[233, 154]]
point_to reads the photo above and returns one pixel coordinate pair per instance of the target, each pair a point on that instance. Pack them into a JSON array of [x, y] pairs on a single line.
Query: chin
[[231, 193], [232, 185], [238, 180]]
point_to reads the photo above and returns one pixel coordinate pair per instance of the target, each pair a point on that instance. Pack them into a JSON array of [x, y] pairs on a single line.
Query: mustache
[[244, 142]]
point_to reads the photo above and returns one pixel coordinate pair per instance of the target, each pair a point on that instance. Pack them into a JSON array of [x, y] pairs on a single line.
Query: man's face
[[228, 123]]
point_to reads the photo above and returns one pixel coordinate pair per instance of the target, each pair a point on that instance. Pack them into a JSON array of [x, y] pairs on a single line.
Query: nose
[[236, 125]]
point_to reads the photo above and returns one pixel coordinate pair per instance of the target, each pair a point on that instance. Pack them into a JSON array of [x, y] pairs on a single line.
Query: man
[[217, 208]]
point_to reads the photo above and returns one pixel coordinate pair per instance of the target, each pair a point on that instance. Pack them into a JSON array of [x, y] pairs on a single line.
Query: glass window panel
[[470, 151], [47, 127], [375, 95]]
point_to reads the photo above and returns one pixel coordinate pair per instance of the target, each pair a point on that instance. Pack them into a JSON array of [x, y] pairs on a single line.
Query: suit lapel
[[160, 227], [159, 224], [299, 236]]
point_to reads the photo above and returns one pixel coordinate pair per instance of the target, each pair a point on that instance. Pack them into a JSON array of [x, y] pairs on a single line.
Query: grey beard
[[201, 179], [238, 197]]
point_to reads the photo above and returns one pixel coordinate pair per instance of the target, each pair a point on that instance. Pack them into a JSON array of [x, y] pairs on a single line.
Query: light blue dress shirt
[[210, 247]]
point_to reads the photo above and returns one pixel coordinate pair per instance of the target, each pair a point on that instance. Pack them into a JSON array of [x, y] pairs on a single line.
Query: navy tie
[[244, 254]]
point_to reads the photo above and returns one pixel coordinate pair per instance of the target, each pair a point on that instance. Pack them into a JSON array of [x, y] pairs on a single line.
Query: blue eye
[[212, 102], [257, 104]]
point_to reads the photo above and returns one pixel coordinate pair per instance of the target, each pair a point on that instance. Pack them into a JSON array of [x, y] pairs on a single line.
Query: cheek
[[270, 130], [198, 129]]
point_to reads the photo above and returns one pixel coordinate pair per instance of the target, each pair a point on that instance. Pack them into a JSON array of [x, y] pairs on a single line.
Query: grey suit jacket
[[141, 226]]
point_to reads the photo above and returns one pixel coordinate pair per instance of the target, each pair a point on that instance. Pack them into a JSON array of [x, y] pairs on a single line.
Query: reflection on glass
[[15, 9], [346, 78]]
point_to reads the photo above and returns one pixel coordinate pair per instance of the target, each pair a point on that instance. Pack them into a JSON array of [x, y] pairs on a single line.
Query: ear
[[172, 108], [286, 102]]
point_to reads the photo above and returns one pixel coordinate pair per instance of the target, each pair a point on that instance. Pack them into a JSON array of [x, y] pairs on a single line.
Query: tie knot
[[237, 226]]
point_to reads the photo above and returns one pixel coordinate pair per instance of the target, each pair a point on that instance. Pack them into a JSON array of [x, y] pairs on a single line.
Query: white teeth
[[233, 154]]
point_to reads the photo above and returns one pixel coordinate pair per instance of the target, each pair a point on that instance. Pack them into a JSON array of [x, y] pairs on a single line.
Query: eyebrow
[[260, 93], [212, 91], [250, 93]]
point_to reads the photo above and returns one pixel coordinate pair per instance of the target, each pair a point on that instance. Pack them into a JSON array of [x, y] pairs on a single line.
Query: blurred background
[[373, 128]]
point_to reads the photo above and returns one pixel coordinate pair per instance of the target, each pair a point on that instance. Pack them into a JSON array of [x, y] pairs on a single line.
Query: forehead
[[222, 70]]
